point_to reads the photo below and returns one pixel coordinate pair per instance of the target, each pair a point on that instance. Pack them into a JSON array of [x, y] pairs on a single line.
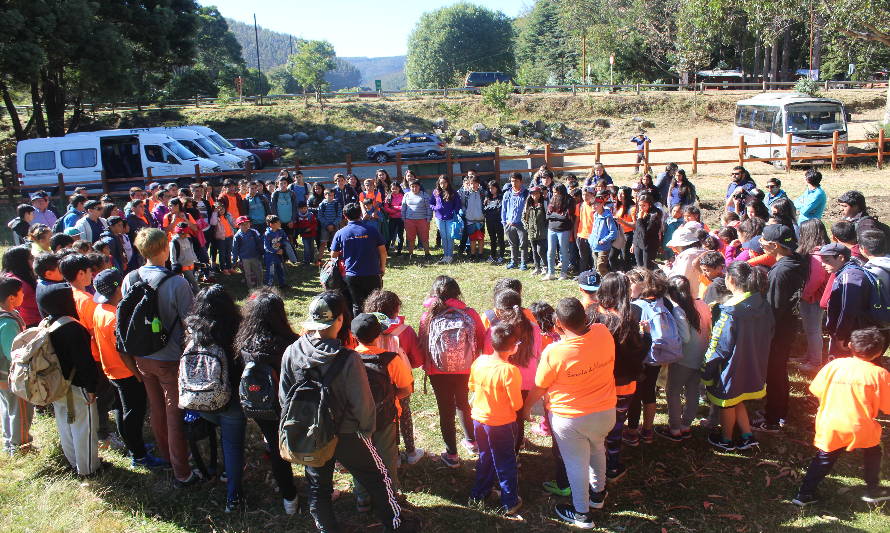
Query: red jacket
[[307, 225]]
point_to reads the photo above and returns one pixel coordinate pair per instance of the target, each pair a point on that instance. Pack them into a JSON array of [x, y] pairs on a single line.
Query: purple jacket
[[444, 210]]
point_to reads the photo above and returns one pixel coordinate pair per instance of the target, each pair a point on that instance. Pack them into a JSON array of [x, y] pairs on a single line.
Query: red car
[[264, 152]]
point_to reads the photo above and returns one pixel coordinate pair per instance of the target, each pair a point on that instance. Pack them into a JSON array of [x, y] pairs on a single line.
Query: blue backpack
[[667, 346]]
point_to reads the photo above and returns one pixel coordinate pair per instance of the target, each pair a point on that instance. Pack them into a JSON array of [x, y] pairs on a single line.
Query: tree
[[344, 76], [255, 83], [449, 42], [310, 63], [545, 51], [283, 81], [217, 59]]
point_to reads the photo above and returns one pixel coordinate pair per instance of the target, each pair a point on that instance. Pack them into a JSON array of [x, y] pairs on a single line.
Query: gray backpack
[[204, 379], [451, 341]]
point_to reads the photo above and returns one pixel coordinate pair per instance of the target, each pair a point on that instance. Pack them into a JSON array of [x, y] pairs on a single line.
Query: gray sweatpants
[[16, 415], [518, 237], [253, 272], [682, 384], [79, 438], [582, 443]]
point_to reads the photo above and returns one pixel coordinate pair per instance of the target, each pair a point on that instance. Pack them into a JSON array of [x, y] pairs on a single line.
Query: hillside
[[390, 70], [274, 46]]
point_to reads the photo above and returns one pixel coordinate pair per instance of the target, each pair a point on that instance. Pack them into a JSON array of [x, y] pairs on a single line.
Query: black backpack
[[59, 225], [332, 276], [382, 388], [258, 391], [139, 330]]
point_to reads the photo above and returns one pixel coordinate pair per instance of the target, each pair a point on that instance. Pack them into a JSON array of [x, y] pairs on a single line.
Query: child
[[640, 140], [851, 391], [673, 222], [15, 413], [330, 212], [40, 235], [392, 206], [247, 247], [60, 241], [736, 360], [21, 223], [222, 223], [182, 254], [602, 233], [389, 376], [491, 207], [693, 214], [534, 218], [544, 317], [371, 213], [496, 386], [273, 251], [307, 229]]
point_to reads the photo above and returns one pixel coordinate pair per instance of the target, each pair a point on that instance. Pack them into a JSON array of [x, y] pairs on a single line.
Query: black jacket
[[71, 341], [786, 277]]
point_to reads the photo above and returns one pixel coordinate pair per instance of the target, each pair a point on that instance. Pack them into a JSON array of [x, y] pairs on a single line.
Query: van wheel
[[432, 154], [779, 163], [257, 162], [381, 157]]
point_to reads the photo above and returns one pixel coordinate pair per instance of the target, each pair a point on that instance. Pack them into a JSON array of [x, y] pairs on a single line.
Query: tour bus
[[83, 157], [200, 146], [223, 143], [768, 117]]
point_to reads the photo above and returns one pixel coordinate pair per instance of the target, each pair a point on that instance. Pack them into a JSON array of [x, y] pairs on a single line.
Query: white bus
[[768, 117]]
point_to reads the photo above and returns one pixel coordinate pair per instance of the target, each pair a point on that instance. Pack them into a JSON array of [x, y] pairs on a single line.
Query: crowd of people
[[664, 303]]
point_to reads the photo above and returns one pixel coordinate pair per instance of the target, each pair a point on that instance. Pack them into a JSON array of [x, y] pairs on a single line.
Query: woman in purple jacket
[[445, 204]]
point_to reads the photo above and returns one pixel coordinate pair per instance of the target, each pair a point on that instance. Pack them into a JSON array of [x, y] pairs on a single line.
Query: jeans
[[281, 469], [360, 287], [644, 394], [554, 239], [445, 232], [495, 231], [224, 249], [232, 425], [539, 253], [613, 439], [585, 256], [645, 256], [812, 317], [518, 238], [309, 250], [821, 465], [130, 413], [396, 232], [274, 269], [682, 383], [451, 392], [582, 444], [497, 460]]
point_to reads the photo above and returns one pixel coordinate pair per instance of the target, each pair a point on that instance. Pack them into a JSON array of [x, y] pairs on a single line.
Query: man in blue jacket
[[849, 300], [811, 204], [512, 206]]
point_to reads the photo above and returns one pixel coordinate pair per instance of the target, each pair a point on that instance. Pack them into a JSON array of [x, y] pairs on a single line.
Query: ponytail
[[508, 307]]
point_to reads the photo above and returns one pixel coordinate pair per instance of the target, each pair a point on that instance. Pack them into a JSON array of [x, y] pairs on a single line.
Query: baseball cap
[[241, 220], [153, 185], [368, 326], [753, 244], [74, 232], [780, 234], [39, 194], [181, 227], [106, 283], [589, 280], [114, 220], [535, 188], [834, 248], [321, 314]]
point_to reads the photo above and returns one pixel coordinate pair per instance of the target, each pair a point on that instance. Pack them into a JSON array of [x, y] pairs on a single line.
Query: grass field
[[669, 486]]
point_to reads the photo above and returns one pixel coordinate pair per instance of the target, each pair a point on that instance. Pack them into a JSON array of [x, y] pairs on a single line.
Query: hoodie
[[880, 268], [847, 306], [786, 277], [71, 342], [350, 388]]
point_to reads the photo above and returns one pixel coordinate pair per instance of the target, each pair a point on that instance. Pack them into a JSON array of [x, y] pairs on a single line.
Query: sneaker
[[598, 499], [552, 488], [563, 277], [471, 447], [492, 260], [363, 505], [193, 479], [630, 437], [511, 264], [151, 462], [647, 436], [802, 500], [666, 433], [565, 512], [523, 266], [451, 461], [448, 260], [747, 442], [291, 506], [442, 261], [512, 510], [548, 277], [415, 456], [613, 475], [765, 427], [233, 505], [716, 440], [877, 495]]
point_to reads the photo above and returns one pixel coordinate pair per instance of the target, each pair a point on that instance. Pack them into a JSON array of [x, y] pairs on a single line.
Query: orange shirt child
[[86, 306], [104, 322], [398, 369], [585, 220], [496, 386]]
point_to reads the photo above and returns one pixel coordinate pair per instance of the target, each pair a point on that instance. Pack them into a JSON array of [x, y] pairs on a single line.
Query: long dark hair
[[559, 202], [17, 261], [446, 193], [625, 199], [444, 288], [614, 296], [680, 293], [685, 187], [544, 316], [508, 307], [744, 276], [812, 235], [760, 210], [782, 211], [214, 319], [264, 326]]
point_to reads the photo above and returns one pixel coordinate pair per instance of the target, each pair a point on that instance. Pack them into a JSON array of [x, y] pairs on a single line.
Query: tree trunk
[[786, 55], [887, 107], [13, 113], [37, 109], [767, 54], [54, 100], [76, 116], [757, 62], [817, 45], [774, 61]]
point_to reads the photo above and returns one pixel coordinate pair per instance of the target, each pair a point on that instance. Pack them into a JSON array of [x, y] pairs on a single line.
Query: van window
[[81, 158], [154, 153], [40, 161]]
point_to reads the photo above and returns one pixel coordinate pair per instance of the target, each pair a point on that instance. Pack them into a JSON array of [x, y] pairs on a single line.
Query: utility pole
[[259, 73], [290, 43], [584, 56]]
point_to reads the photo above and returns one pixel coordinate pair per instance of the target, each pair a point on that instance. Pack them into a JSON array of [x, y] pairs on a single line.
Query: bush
[[497, 96], [872, 132], [808, 87]]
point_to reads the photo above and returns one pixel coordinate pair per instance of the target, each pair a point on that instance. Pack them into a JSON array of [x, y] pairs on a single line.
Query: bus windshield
[[815, 119], [181, 151]]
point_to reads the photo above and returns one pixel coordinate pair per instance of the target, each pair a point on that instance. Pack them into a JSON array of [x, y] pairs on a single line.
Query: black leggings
[[129, 413], [281, 469], [396, 232], [495, 231], [452, 397], [644, 394]]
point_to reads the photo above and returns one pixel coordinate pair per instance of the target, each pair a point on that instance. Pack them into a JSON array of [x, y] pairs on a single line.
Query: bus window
[[777, 125]]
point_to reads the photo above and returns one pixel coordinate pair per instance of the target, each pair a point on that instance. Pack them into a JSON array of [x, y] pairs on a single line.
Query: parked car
[[410, 145], [484, 79], [265, 152]]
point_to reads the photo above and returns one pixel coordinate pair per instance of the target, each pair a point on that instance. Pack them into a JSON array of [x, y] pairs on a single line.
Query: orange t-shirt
[[497, 390], [104, 321], [851, 392], [578, 373], [83, 302], [765, 260], [398, 369], [585, 220], [232, 205], [627, 219]]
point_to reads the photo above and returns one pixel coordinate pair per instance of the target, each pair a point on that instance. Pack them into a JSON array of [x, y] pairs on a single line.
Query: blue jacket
[[512, 206], [329, 213], [848, 306], [604, 229], [71, 217], [735, 363], [247, 245], [810, 204], [771, 199], [272, 242]]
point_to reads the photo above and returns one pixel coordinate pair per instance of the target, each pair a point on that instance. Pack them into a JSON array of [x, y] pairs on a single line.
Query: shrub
[[808, 87], [497, 96]]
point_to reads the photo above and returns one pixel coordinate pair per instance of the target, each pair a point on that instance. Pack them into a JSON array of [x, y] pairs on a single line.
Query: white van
[[81, 157], [768, 117], [200, 146], [223, 143]]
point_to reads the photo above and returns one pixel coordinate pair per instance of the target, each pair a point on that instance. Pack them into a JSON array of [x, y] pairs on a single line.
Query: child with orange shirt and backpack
[[851, 391]]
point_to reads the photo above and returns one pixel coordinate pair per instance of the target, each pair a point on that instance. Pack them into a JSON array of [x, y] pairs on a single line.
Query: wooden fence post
[[62, 199], [573, 89], [638, 89], [880, 148], [399, 164], [497, 165], [546, 155], [695, 155], [597, 153], [197, 101], [248, 166], [834, 139], [349, 164], [788, 152], [197, 172], [105, 187], [741, 150], [646, 157]]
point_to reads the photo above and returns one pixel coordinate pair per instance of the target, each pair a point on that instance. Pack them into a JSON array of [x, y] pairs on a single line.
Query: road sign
[[378, 86], [612, 59]]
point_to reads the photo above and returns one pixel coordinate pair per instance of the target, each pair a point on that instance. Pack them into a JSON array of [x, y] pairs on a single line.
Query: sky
[[356, 28]]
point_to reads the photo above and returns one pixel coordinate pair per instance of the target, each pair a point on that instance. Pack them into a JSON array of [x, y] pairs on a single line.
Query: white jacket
[[86, 231]]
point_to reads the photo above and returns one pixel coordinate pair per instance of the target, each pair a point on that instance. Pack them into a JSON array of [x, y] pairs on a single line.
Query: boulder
[[484, 135], [284, 137], [290, 144], [637, 119], [328, 139], [557, 128], [509, 129], [463, 137], [320, 134], [537, 135], [379, 129], [525, 124], [540, 125], [602, 123], [301, 136], [478, 126], [441, 123]]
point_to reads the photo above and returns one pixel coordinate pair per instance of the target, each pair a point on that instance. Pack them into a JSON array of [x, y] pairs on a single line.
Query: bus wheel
[[778, 163]]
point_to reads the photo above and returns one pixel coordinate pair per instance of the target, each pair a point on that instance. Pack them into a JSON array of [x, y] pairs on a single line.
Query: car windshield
[[181, 151], [209, 146], [809, 119], [223, 143], [194, 148]]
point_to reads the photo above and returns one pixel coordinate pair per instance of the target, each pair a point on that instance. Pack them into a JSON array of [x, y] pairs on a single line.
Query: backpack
[[203, 379], [35, 374], [258, 391], [139, 330], [310, 416], [4, 363], [59, 225], [382, 387], [332, 275], [878, 299], [878, 225], [451, 340], [667, 347]]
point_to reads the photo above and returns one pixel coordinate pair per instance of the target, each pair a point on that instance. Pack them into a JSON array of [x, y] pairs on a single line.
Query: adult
[[681, 192], [445, 204], [576, 374], [813, 237], [647, 232], [687, 246], [43, 213], [318, 349], [663, 181], [811, 204], [786, 278], [17, 263], [739, 188], [160, 370], [848, 302], [855, 211], [512, 206], [416, 213], [774, 191], [74, 212], [364, 256]]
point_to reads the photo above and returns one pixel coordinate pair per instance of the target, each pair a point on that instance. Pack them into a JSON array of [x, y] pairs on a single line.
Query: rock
[[290, 144], [478, 126], [320, 134], [562, 147], [439, 131], [602, 123], [463, 137], [509, 129], [284, 137], [441, 123], [647, 124], [301, 136], [406, 132], [540, 125], [538, 135], [636, 119], [558, 127], [520, 133], [328, 139], [379, 129], [484, 135], [525, 124]]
